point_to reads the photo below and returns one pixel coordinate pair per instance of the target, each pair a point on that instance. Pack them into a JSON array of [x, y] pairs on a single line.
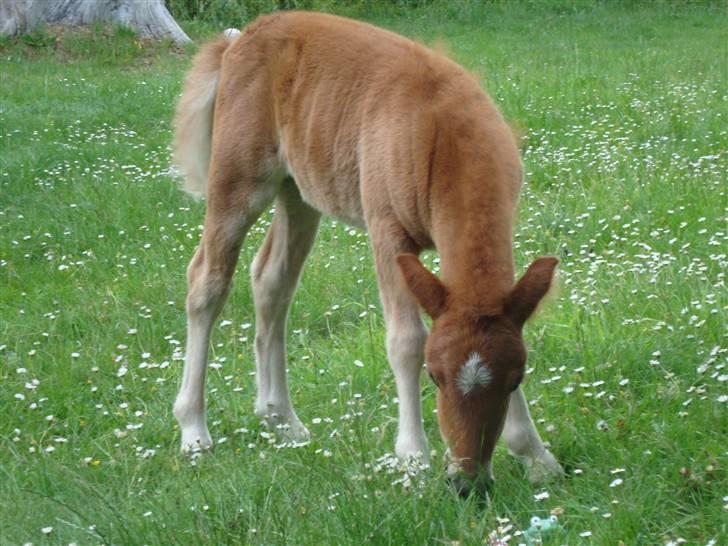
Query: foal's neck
[[476, 256]]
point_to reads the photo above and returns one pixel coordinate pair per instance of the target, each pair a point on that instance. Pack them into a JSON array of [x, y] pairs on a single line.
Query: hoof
[[285, 425], [295, 431], [412, 451], [192, 424], [543, 467], [195, 439]]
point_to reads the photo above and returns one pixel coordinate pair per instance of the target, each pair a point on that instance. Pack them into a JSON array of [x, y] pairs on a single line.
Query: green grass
[[624, 116]]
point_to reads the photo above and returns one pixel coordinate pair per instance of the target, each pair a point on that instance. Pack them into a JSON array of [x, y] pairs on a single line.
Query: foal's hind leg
[[275, 273], [523, 441], [232, 208], [406, 334]]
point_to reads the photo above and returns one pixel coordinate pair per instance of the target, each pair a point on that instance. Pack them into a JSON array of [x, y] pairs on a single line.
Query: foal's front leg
[[406, 335], [524, 442], [405, 349]]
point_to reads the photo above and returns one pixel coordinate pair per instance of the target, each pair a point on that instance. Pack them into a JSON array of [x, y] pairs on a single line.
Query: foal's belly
[[332, 189]]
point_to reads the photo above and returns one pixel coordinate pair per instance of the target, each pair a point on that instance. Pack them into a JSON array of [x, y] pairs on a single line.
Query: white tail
[[193, 120]]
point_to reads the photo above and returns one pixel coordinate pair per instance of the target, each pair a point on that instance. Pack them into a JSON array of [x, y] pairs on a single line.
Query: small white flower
[[541, 496], [616, 482]]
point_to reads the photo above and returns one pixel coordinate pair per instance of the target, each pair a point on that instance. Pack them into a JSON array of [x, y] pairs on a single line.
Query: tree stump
[[149, 18]]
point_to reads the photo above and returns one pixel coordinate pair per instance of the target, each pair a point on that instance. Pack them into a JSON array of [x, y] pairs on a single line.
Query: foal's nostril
[[465, 485]]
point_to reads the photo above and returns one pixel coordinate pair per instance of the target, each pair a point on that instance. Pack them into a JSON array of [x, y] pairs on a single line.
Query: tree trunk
[[149, 18]]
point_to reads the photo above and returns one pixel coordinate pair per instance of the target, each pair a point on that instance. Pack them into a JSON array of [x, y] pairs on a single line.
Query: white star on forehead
[[472, 374]]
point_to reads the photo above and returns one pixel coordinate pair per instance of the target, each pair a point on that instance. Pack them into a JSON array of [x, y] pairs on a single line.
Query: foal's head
[[476, 359]]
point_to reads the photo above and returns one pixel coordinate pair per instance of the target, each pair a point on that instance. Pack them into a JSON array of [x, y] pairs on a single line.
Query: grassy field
[[624, 116]]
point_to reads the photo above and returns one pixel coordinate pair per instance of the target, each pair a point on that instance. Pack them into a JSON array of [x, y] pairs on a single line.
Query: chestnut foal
[[327, 115]]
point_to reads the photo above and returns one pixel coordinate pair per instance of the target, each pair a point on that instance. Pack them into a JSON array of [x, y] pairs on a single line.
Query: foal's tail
[[193, 120]]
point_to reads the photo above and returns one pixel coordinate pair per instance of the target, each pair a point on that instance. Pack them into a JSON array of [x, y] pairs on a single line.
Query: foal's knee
[[406, 347]]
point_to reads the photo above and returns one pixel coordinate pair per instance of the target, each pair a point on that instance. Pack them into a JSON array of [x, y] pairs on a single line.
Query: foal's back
[[366, 121]]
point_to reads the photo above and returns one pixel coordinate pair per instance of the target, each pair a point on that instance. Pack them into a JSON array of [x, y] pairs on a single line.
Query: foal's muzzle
[[480, 485]]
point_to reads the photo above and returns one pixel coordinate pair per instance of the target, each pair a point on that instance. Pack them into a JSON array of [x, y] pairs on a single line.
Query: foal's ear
[[530, 289], [425, 287]]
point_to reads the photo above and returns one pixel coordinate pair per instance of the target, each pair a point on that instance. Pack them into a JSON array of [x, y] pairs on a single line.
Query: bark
[[149, 18]]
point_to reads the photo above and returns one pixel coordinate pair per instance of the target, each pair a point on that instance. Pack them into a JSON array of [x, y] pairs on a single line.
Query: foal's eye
[[518, 383], [433, 379]]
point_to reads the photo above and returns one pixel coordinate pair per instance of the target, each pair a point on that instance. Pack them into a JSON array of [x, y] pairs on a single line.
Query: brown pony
[[326, 115]]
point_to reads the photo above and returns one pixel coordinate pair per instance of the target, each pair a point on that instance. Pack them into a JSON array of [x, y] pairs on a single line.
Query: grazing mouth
[[480, 484]]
